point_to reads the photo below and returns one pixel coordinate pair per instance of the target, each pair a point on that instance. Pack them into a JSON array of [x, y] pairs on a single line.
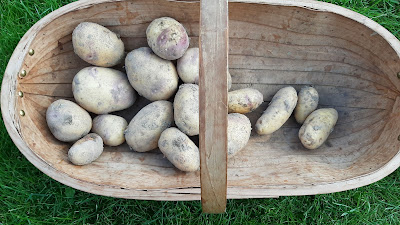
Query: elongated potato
[[111, 129], [145, 128], [152, 77], [97, 45], [278, 111], [186, 109], [244, 100], [239, 130], [102, 90], [167, 38], [67, 120], [306, 104], [188, 67], [317, 127], [180, 150], [86, 150]]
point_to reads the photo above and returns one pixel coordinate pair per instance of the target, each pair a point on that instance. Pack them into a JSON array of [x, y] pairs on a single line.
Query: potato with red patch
[[102, 90], [97, 45], [167, 38]]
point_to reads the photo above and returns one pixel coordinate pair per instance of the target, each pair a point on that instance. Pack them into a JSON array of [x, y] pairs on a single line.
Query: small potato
[[152, 77], [97, 45], [111, 129], [102, 90], [186, 109], [86, 150], [244, 100], [188, 67], [145, 128], [306, 104], [239, 130], [68, 121], [317, 127], [278, 111], [167, 38], [179, 150]]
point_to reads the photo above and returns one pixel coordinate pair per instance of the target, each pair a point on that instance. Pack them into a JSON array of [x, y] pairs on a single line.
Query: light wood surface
[[352, 61]]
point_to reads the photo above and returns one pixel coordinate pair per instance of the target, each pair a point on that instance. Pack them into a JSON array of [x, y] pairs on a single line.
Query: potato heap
[[150, 73]]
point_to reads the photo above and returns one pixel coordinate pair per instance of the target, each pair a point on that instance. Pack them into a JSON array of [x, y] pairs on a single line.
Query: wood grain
[[352, 61], [213, 104]]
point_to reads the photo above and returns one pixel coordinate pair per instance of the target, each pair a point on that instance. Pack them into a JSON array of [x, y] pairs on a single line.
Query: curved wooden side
[[351, 60]]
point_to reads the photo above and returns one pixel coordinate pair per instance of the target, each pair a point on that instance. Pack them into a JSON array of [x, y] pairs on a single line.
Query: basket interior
[[269, 47]]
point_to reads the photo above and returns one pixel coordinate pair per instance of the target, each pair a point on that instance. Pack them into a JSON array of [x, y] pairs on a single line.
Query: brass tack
[[23, 73], [398, 75], [22, 113], [31, 52], [20, 94]]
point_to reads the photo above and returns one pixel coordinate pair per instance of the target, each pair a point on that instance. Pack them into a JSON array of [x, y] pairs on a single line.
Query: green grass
[[27, 196]]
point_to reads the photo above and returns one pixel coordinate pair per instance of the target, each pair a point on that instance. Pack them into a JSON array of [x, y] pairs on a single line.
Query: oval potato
[[97, 45], [111, 129], [167, 38], [278, 111], [180, 150], [317, 127], [102, 90], [239, 130], [145, 128], [307, 102], [152, 77], [244, 100], [68, 121], [186, 109], [86, 150]]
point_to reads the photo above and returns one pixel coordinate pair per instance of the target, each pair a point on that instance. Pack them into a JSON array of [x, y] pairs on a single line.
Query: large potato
[[317, 127], [145, 128], [239, 130], [306, 104], [67, 120], [180, 150], [188, 67], [97, 45], [167, 38], [152, 77], [111, 129], [278, 111], [102, 90], [186, 109], [244, 100], [86, 150]]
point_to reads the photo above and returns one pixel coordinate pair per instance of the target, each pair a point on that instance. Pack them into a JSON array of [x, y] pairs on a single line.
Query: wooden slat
[[213, 104]]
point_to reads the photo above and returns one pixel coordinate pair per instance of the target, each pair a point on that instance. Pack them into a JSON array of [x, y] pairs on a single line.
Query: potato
[[111, 129], [244, 100], [68, 121], [278, 111], [317, 127], [152, 77], [97, 45], [306, 104], [145, 128], [86, 150], [102, 90], [167, 38], [186, 109], [188, 67], [179, 150], [239, 130]]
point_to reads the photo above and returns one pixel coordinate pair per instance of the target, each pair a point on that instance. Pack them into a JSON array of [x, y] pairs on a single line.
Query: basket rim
[[11, 119]]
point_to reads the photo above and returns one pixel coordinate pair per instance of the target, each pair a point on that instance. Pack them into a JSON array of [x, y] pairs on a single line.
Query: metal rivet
[[398, 75], [23, 73], [20, 94], [22, 113], [31, 52]]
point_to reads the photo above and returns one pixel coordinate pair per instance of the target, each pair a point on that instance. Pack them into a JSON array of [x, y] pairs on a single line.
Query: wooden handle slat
[[213, 104]]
